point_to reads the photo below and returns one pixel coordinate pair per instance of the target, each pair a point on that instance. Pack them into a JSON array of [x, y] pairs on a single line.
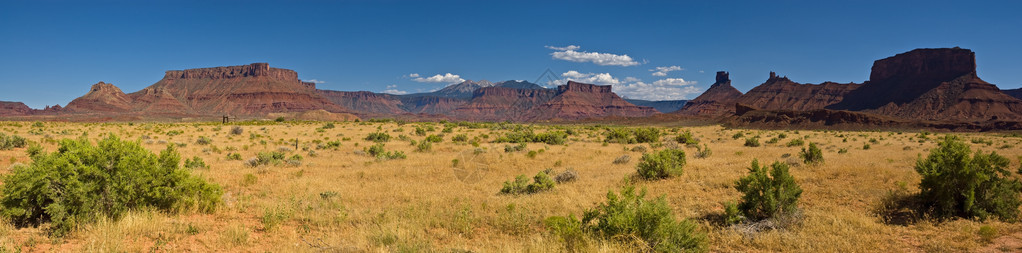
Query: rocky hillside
[[571, 101], [780, 93], [931, 84], [14, 109], [1017, 93], [718, 100]]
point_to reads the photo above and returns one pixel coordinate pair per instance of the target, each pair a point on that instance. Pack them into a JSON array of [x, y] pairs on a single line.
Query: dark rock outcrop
[[780, 93], [14, 109], [1016, 93], [931, 84], [716, 101]]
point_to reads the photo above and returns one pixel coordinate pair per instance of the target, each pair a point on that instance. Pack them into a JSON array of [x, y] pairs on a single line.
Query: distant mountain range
[[933, 85]]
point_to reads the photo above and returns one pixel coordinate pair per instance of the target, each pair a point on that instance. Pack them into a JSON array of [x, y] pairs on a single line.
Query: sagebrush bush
[[662, 164], [647, 134], [703, 152], [956, 185], [11, 141], [768, 194], [752, 142], [686, 138], [195, 163], [568, 175], [540, 182], [424, 146], [796, 142], [81, 182], [622, 159], [632, 219], [813, 155], [434, 138], [378, 137], [527, 135], [203, 140], [237, 130], [381, 154]]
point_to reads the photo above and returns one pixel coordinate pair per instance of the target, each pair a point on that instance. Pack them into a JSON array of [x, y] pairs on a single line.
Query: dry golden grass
[[342, 200]]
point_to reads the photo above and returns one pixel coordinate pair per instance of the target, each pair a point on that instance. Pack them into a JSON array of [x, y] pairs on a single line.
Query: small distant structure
[[227, 119]]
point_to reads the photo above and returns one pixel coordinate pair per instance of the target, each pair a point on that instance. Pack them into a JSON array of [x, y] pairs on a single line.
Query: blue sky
[[52, 51]]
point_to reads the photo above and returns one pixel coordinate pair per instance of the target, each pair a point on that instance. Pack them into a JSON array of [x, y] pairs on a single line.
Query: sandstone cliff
[[780, 93], [931, 84], [718, 100]]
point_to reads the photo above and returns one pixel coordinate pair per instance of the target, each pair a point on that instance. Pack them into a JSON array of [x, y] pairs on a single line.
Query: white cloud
[[569, 53], [392, 89], [314, 81], [569, 47], [662, 71], [412, 75], [445, 78], [631, 87], [592, 78], [654, 92], [673, 82]]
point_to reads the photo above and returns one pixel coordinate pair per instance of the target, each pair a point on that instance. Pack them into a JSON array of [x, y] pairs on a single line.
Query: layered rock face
[[253, 89], [568, 102], [931, 84], [718, 100], [364, 101], [102, 97], [500, 103], [780, 93], [576, 100], [14, 109], [462, 90], [1016, 93]]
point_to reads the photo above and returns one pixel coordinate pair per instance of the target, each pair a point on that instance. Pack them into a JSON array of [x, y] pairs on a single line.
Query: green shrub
[[328, 125], [237, 130], [81, 182], [632, 219], [378, 137], [435, 138], [663, 164], [619, 135], [526, 135], [752, 142], [203, 140], [686, 138], [233, 157], [519, 147], [813, 155], [424, 146], [738, 135], [381, 154], [195, 163], [865, 146], [703, 152], [540, 182], [460, 138], [647, 135], [796, 142], [766, 195], [956, 185], [8, 142]]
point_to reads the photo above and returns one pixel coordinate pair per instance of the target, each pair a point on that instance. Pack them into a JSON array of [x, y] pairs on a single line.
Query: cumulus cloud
[[645, 91], [593, 78], [673, 82], [412, 75], [662, 71], [445, 78], [570, 53], [314, 81], [631, 87], [392, 89]]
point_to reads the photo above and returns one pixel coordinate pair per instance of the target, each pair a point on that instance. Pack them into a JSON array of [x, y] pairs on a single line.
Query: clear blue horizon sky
[[52, 51]]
